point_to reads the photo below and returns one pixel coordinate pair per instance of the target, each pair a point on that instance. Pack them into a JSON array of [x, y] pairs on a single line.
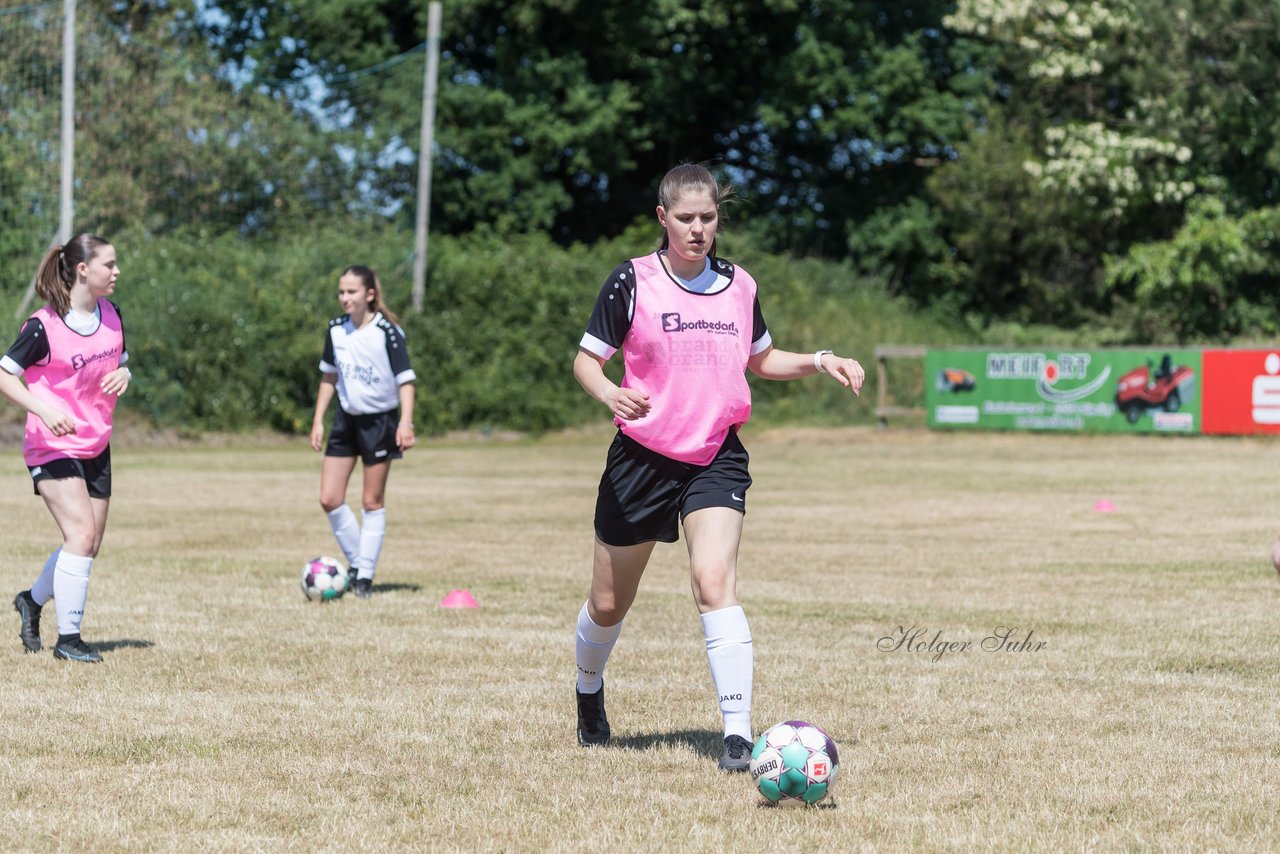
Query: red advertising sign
[[1241, 391]]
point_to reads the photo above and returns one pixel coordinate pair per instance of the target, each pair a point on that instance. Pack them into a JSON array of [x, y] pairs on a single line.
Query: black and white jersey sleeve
[[611, 318], [124, 343], [760, 338], [328, 361], [31, 348], [397, 352]]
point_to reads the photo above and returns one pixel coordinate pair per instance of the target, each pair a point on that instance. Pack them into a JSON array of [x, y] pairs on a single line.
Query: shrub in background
[[226, 333]]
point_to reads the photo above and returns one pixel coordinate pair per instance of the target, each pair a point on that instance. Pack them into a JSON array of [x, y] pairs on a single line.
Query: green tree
[[1102, 124], [1214, 280], [561, 116], [163, 141], [30, 82]]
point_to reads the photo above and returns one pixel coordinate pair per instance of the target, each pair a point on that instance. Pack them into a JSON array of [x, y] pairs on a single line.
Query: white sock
[[729, 654], [42, 590], [594, 643], [346, 530], [70, 590], [372, 531]]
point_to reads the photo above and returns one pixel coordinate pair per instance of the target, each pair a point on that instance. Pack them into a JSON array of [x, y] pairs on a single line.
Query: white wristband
[[817, 360]]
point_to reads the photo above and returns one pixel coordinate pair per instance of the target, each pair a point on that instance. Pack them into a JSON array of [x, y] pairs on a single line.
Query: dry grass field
[[231, 714]]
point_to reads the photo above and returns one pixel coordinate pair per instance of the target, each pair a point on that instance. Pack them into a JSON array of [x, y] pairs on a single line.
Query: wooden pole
[[66, 215], [424, 156]]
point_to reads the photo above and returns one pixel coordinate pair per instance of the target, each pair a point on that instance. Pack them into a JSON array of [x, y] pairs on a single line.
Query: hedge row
[[225, 334]]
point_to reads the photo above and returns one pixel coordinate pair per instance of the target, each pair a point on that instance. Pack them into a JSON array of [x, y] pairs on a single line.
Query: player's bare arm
[[626, 403], [774, 364]]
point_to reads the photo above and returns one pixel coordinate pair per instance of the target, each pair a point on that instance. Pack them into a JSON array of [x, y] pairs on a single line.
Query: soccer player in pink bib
[[689, 325], [366, 364], [71, 354]]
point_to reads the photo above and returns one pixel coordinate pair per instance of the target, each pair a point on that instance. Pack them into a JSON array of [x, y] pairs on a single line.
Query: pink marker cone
[[1104, 506], [459, 599]]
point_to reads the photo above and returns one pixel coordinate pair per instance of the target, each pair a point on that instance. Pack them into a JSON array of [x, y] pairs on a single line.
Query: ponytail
[[57, 272], [52, 282]]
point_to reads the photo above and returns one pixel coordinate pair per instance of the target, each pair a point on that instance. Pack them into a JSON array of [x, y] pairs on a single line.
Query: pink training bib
[[72, 381], [688, 352]]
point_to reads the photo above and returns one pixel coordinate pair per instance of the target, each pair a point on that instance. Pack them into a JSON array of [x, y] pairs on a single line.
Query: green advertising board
[[1121, 391]]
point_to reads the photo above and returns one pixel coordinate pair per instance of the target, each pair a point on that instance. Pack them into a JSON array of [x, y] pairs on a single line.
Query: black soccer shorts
[[371, 437], [96, 472], [644, 495]]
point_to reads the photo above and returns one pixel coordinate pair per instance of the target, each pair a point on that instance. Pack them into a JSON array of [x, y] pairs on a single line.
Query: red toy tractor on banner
[[1166, 389]]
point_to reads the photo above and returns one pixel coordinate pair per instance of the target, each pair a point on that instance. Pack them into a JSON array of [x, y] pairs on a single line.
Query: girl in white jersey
[[689, 325], [71, 354], [366, 363]]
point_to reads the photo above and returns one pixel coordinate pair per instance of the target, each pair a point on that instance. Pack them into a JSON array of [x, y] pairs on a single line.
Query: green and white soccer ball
[[794, 764], [324, 579]]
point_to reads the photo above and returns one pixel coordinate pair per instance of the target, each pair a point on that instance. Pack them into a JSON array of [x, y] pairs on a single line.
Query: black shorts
[[371, 437], [95, 472], [643, 494]]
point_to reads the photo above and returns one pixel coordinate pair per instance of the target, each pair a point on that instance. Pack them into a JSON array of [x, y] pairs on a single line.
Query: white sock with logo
[[346, 530], [70, 590], [731, 658], [42, 590], [372, 532], [592, 648]]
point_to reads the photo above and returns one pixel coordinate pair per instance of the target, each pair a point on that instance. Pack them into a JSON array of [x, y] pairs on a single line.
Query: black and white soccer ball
[[324, 578]]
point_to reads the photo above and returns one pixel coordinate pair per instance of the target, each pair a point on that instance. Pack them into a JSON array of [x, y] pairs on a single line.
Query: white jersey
[[371, 363]]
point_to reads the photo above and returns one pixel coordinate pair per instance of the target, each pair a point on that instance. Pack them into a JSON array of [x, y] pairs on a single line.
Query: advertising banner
[[1241, 391], [1122, 391]]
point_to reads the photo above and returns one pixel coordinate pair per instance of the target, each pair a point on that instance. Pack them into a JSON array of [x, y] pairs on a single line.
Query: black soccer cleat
[[593, 726], [351, 578], [364, 587], [30, 613], [72, 648], [737, 754]]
